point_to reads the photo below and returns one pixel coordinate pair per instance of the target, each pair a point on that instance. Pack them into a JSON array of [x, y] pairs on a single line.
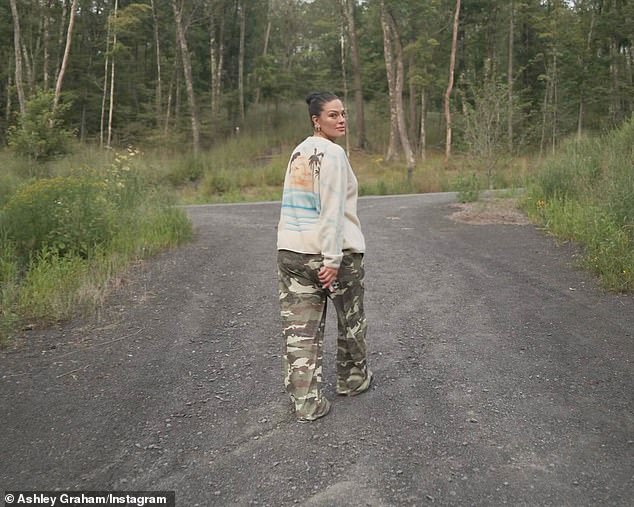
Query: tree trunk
[[159, 82], [344, 76], [105, 85], [17, 44], [216, 50], [69, 41], [509, 77], [60, 38], [46, 43], [187, 72], [452, 66], [242, 15], [423, 129], [112, 68], [391, 83], [265, 51], [361, 140], [400, 110], [412, 102]]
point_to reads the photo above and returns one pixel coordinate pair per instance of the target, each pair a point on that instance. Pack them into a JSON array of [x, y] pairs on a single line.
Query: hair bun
[[311, 96]]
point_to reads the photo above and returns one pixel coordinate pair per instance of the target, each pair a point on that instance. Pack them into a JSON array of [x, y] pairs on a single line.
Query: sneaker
[[321, 412], [363, 387]]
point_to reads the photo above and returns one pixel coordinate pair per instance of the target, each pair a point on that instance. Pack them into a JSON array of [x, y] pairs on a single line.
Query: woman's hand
[[327, 276]]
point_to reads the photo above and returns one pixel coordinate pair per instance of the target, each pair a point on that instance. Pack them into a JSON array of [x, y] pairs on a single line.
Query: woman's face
[[332, 120]]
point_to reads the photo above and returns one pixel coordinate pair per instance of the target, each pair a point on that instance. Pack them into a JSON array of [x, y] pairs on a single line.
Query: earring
[[317, 128]]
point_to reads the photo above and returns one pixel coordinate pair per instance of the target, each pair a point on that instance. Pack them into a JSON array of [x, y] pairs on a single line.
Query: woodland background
[[180, 73]]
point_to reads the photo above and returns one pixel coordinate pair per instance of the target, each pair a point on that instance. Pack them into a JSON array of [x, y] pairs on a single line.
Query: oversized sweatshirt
[[319, 203]]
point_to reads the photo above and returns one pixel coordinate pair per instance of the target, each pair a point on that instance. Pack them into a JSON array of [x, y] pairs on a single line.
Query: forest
[[509, 75]]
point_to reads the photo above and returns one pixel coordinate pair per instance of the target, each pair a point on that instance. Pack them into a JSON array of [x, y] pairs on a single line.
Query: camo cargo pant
[[303, 311]]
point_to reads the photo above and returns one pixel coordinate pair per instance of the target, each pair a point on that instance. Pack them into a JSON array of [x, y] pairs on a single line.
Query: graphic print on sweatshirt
[[301, 203], [304, 170]]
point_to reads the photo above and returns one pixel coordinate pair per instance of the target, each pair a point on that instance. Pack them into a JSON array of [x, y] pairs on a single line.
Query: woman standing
[[320, 255]]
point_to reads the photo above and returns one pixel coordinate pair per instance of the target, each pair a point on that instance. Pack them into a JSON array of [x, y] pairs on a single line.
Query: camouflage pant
[[303, 311]]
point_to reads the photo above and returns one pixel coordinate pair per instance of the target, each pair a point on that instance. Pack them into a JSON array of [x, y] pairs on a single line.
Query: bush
[[584, 193], [66, 215], [468, 187], [40, 134]]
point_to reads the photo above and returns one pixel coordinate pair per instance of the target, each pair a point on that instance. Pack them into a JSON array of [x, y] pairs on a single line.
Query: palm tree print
[[314, 162]]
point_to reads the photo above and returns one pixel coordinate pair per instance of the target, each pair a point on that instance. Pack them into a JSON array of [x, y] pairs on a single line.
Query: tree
[[17, 43], [395, 77], [64, 64], [357, 82], [452, 64], [187, 71]]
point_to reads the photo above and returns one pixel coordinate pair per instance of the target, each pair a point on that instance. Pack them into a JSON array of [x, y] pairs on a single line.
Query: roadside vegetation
[[64, 237], [585, 193]]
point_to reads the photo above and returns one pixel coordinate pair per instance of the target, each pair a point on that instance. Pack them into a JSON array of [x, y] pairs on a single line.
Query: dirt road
[[504, 375]]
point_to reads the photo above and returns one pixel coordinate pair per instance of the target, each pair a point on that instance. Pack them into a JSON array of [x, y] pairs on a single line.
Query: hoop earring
[[317, 128]]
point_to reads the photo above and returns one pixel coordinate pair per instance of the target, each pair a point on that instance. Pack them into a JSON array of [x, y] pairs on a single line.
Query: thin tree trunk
[[545, 106], [159, 82], [582, 96], [69, 41], [105, 85], [60, 38], [187, 72], [7, 111], [345, 80], [242, 15], [423, 133], [112, 69], [400, 110], [413, 106], [17, 44], [216, 51], [391, 82], [265, 50], [46, 43], [452, 65], [555, 104], [355, 60], [28, 70], [509, 77]]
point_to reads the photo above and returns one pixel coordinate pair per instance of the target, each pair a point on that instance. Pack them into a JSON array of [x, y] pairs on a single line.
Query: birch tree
[[452, 65], [395, 71], [187, 72], [17, 44], [64, 64], [357, 82]]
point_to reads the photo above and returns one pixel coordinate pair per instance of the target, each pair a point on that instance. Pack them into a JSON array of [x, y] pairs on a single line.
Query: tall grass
[[63, 238], [585, 193]]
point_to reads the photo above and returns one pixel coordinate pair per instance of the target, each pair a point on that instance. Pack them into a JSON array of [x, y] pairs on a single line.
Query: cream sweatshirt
[[319, 203]]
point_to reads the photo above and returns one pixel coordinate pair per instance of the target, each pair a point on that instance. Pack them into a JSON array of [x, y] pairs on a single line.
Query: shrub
[[66, 215], [40, 134], [584, 193]]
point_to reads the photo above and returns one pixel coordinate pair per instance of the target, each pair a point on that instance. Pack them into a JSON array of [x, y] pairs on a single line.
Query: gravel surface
[[504, 376]]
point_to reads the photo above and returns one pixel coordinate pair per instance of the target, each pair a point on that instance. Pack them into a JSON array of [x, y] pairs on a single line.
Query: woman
[[320, 255]]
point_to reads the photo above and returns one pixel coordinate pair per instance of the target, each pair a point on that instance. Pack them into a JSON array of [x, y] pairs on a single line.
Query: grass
[[63, 238], [585, 193]]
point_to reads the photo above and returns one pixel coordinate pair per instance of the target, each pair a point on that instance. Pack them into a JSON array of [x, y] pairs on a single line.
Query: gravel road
[[504, 376]]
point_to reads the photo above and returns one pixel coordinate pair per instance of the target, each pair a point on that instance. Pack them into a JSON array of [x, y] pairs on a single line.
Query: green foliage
[[40, 134], [65, 215], [468, 187], [584, 193], [63, 238]]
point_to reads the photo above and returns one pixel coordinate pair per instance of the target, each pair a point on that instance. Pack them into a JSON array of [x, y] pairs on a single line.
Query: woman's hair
[[316, 101]]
